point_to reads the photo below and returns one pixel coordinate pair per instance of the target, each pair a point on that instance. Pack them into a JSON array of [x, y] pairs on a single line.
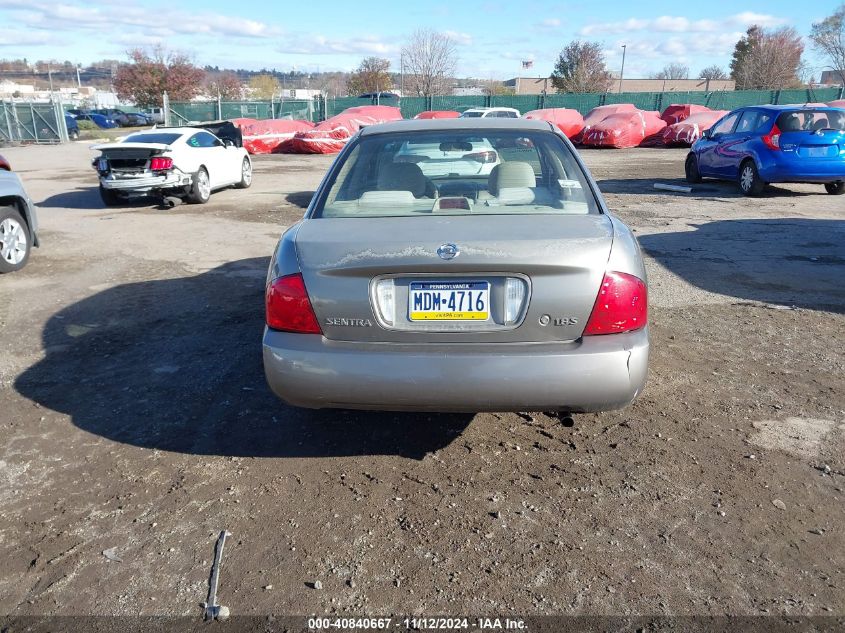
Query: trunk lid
[[560, 260], [818, 144], [128, 157]]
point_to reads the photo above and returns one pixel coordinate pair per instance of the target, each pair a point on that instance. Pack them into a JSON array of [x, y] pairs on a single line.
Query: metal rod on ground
[[212, 609], [678, 188]]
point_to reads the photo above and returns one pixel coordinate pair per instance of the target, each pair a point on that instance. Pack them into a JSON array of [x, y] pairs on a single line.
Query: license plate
[[449, 301], [818, 152]]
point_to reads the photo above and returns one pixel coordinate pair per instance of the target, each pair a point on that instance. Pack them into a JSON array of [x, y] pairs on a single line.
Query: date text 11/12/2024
[[417, 624]]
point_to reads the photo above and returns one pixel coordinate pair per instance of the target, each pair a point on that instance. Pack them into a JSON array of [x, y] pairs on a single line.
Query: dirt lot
[[135, 416]]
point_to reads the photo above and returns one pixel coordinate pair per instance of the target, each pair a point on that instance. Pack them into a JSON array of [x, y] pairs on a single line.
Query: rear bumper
[[146, 183], [816, 172], [596, 373]]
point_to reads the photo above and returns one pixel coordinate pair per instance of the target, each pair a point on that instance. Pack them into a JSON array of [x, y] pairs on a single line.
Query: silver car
[[18, 221], [512, 291]]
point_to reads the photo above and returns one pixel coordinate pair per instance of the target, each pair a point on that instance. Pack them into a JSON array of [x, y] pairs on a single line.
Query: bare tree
[[580, 68], [673, 71], [828, 37], [226, 85], [333, 84], [495, 88], [429, 59], [713, 73], [373, 75], [768, 59]]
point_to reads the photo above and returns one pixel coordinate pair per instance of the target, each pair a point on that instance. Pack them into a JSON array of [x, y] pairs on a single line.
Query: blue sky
[[493, 36]]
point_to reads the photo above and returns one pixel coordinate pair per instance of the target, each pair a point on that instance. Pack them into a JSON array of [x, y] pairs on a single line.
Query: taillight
[[622, 305], [288, 306], [4, 164], [161, 163], [482, 157], [772, 139]]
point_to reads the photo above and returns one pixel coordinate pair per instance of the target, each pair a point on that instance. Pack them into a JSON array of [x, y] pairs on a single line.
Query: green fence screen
[[200, 111], [29, 122], [320, 108]]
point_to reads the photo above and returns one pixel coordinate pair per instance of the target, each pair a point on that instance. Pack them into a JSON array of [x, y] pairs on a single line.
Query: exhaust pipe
[[171, 201]]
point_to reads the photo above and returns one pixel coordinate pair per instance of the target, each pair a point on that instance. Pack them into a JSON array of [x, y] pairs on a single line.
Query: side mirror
[[227, 142], [707, 133]]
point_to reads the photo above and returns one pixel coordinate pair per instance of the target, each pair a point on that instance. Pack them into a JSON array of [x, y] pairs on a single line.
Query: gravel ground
[[135, 420]]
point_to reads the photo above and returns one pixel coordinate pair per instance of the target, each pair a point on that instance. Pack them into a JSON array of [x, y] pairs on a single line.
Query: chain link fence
[[30, 122], [201, 111], [322, 108], [584, 102]]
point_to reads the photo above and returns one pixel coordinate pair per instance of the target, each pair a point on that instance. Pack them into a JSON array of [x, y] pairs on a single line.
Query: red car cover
[[266, 136], [689, 130], [600, 112], [625, 129], [243, 122], [438, 114], [569, 121], [678, 112], [839, 103], [331, 135]]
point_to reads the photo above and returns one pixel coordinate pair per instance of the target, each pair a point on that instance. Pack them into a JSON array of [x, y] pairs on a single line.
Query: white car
[[180, 162], [486, 113], [475, 157]]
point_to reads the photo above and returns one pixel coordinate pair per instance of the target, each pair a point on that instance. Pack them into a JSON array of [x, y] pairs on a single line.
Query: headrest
[[402, 177], [511, 175], [791, 124]]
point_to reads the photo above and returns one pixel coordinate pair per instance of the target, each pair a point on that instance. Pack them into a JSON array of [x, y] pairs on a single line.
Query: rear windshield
[[811, 120], [153, 137], [457, 172]]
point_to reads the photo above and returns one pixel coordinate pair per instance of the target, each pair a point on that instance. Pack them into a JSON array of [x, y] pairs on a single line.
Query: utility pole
[[78, 79], [50, 75], [622, 72]]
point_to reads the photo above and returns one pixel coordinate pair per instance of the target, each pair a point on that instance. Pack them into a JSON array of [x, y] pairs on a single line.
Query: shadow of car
[[784, 261], [146, 375]]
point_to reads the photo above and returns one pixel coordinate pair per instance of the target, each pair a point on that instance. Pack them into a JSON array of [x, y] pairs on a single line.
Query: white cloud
[[678, 24], [63, 17], [321, 45], [13, 37], [747, 18], [463, 39], [548, 24]]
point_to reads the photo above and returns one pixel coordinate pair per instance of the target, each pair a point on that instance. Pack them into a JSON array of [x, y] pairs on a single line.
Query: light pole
[[622, 72]]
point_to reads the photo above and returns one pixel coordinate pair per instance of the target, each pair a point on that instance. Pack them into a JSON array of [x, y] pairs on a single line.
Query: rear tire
[[750, 182], [691, 169], [835, 188], [15, 240], [200, 187], [246, 174], [110, 198]]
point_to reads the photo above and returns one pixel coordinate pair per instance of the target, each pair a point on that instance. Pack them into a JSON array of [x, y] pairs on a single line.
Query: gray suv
[[18, 223]]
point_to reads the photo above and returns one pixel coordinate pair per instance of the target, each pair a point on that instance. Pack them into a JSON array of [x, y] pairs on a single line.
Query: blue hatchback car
[[758, 145]]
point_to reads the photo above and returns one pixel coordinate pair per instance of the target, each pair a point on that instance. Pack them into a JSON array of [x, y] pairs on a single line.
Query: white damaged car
[[173, 163]]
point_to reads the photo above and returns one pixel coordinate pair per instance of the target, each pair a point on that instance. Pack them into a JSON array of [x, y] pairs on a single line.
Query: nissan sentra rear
[[412, 285]]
